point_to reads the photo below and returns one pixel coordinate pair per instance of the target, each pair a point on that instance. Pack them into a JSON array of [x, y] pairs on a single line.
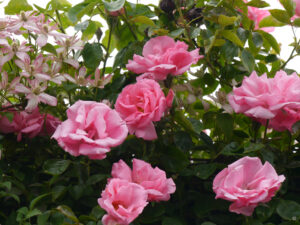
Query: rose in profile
[[163, 56], [256, 15], [246, 183], [154, 180], [142, 103], [275, 99], [123, 201], [91, 129]]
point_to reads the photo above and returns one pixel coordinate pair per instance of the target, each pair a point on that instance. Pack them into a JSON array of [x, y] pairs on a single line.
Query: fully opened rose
[[163, 56], [123, 201], [275, 99], [141, 104], [154, 180], [91, 129], [246, 183]]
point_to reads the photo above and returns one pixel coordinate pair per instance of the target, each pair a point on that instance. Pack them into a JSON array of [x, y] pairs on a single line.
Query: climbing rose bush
[[121, 112]]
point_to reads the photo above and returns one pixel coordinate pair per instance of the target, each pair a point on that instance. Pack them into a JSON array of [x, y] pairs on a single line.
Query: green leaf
[[95, 179], [248, 60], [288, 210], [113, 6], [16, 6], [75, 10], [176, 33], [32, 213], [280, 15], [230, 149], [92, 55], [258, 3], [296, 22], [60, 4], [231, 36], [143, 20], [49, 48], [43, 218], [204, 171], [67, 211], [90, 31], [290, 6], [257, 39], [224, 124], [37, 199], [253, 147], [226, 20], [271, 40], [171, 221], [173, 159], [183, 140], [208, 223], [56, 166], [270, 21]]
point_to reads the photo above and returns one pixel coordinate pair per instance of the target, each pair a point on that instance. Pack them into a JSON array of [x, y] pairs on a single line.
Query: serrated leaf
[[296, 22], [143, 20], [113, 6], [270, 21], [248, 60], [290, 6], [67, 211], [280, 15], [231, 36], [271, 40], [288, 210], [16, 6], [92, 55], [32, 213], [226, 20], [56, 166], [258, 3]]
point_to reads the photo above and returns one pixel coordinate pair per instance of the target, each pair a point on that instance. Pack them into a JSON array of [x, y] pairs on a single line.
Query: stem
[[111, 26], [125, 18], [11, 106], [265, 133], [292, 53]]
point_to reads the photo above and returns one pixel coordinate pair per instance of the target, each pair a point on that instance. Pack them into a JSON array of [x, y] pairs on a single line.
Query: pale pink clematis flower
[[35, 94], [154, 180], [246, 183], [27, 20], [97, 81]]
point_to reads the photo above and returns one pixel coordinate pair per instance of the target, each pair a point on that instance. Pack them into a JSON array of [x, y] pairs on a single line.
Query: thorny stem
[[125, 18]]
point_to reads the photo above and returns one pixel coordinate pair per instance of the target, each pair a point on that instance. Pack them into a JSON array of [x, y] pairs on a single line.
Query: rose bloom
[[91, 129], [142, 103], [275, 99], [257, 15], [29, 124], [123, 201], [297, 11], [247, 183], [163, 56], [154, 180]]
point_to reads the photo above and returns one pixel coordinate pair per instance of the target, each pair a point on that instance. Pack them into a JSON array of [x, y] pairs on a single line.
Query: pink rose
[[275, 99], [257, 15], [142, 103], [123, 201], [154, 180], [117, 13], [163, 56], [23, 122], [247, 183], [50, 125], [297, 11], [91, 129]]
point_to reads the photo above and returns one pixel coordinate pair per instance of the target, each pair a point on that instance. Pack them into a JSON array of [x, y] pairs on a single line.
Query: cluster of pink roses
[[247, 183], [275, 99], [29, 124], [128, 192]]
